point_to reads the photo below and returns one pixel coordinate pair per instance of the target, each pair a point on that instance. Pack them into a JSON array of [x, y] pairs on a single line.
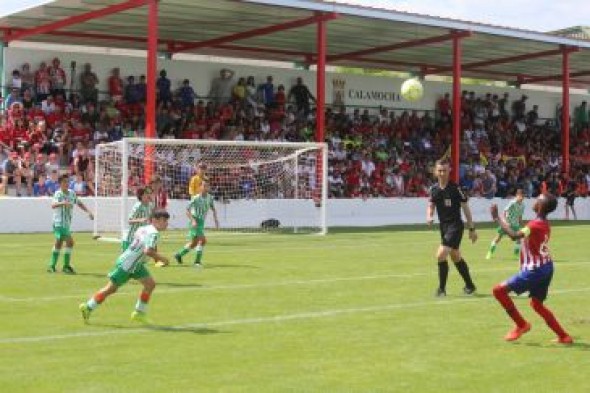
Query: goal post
[[258, 187]]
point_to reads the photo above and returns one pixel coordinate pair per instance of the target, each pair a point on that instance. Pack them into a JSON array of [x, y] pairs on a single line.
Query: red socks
[[144, 296], [501, 294], [548, 316], [99, 297]]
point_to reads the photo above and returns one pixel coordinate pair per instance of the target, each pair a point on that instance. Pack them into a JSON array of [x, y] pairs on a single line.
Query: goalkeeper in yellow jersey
[[196, 211], [196, 183]]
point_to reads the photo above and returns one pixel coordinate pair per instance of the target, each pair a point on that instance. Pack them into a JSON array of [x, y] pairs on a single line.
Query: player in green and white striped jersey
[[63, 203], [196, 211], [139, 216], [131, 264], [513, 215]]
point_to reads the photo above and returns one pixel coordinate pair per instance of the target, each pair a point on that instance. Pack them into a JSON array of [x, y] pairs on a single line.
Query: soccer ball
[[412, 90]]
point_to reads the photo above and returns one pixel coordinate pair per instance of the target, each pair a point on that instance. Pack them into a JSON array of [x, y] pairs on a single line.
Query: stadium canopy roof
[[285, 30]]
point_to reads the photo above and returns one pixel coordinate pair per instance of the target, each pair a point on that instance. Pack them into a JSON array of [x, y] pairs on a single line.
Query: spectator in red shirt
[[115, 85]]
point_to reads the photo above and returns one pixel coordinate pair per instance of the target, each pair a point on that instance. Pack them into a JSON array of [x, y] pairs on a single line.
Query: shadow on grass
[[211, 266], [203, 330], [577, 345]]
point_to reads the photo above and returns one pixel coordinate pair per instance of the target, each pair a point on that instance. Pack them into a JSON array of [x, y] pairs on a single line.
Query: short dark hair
[[143, 190], [64, 177], [549, 204], [160, 213], [442, 161]]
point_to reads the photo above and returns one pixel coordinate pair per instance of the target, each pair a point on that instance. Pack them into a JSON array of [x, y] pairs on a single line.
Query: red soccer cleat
[[517, 332], [565, 340]]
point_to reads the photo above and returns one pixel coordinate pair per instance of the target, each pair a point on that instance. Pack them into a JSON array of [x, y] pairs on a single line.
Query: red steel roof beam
[[556, 77], [504, 60], [257, 32], [72, 20], [399, 45]]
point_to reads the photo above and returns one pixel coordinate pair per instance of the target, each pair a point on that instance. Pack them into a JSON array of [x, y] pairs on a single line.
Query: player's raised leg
[[501, 292], [99, 297]]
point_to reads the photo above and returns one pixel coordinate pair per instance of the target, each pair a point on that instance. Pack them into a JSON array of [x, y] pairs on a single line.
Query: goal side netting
[[258, 187]]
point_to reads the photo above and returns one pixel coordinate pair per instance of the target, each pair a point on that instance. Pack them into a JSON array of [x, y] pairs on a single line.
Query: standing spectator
[[221, 87], [267, 92], [42, 82], [163, 85], [88, 82], [302, 96], [581, 117], [489, 184], [28, 79], [116, 85], [17, 82], [13, 97], [58, 78], [142, 89], [187, 95]]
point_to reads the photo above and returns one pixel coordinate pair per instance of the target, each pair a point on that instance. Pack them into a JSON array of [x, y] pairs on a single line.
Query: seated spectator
[[79, 185], [52, 182], [40, 188]]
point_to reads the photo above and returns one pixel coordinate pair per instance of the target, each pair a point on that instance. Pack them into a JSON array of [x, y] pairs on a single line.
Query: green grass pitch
[[349, 312]]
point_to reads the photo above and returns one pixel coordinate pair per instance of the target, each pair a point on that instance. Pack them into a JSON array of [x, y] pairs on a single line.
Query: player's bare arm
[[430, 213], [514, 235], [152, 253], [469, 219], [82, 206], [190, 217]]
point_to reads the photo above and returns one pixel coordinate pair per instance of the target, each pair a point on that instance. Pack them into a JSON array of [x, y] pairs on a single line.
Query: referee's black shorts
[[451, 234]]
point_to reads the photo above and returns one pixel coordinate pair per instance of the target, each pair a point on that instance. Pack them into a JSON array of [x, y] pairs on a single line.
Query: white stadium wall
[[340, 212], [358, 90]]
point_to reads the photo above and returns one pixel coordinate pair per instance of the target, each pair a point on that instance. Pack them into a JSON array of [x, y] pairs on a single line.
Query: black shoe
[[469, 290], [68, 270], [440, 293], [50, 269], [198, 264], [178, 259]]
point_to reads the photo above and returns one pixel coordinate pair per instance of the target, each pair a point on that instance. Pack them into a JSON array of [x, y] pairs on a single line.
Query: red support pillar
[[321, 81], [565, 120], [320, 103], [456, 144], [152, 65]]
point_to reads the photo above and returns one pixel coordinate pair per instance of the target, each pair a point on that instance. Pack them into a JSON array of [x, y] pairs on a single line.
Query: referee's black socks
[[464, 272], [443, 273]]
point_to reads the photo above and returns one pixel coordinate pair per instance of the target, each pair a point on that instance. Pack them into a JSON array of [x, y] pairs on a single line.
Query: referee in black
[[448, 200]]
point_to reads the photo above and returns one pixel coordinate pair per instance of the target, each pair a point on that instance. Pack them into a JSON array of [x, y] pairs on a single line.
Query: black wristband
[[472, 229]]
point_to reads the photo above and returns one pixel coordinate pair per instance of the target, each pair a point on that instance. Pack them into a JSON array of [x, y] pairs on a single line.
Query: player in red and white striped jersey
[[536, 270]]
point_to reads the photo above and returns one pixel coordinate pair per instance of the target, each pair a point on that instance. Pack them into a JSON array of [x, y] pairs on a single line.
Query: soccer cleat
[[141, 317], [85, 310], [517, 332], [178, 259], [489, 255], [50, 269], [440, 293], [469, 290], [198, 265], [68, 270], [565, 340]]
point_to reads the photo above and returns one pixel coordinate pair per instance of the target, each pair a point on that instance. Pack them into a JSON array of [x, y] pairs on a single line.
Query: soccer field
[[348, 312]]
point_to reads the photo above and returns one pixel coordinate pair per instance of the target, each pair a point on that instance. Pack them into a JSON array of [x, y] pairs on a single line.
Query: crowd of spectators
[[51, 124]]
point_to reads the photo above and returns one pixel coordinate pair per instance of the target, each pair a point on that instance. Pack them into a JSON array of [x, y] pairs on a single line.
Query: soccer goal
[[259, 187]]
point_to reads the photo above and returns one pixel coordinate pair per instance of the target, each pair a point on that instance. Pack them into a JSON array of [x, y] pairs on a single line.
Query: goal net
[[258, 187]]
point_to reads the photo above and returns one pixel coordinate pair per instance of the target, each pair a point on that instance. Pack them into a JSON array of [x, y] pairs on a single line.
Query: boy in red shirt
[[536, 270]]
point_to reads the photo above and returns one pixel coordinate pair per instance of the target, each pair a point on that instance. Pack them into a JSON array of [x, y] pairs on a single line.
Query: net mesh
[[257, 187]]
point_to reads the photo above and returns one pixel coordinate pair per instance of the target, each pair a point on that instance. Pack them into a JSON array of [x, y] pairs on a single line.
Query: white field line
[[260, 320], [231, 287]]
